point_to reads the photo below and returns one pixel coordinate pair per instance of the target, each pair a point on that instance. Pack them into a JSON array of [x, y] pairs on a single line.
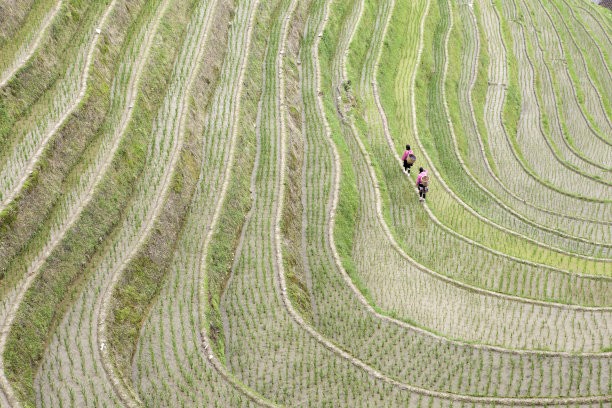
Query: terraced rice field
[[202, 203]]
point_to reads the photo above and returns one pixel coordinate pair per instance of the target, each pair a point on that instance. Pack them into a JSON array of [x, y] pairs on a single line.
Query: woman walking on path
[[422, 182], [408, 157]]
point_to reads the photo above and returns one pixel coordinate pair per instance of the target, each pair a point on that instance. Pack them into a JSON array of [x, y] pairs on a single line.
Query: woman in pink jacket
[[408, 157], [422, 182]]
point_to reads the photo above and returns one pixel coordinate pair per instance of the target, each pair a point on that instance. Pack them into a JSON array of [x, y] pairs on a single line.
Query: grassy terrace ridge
[[202, 203]]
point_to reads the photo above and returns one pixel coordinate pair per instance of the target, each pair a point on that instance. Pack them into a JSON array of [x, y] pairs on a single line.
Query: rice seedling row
[[27, 47], [30, 92], [40, 210], [590, 84], [68, 269], [86, 322], [585, 93], [326, 281], [599, 34], [67, 263], [14, 16], [470, 125], [599, 14], [563, 63], [58, 106]]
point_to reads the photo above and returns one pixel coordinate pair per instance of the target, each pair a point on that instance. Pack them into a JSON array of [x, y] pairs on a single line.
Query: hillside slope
[[204, 203]]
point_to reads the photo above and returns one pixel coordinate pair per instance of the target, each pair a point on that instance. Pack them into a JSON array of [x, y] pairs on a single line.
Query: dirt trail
[[29, 150], [28, 49]]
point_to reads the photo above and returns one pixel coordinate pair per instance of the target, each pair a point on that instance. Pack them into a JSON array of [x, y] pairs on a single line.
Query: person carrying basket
[[409, 158], [422, 183]]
